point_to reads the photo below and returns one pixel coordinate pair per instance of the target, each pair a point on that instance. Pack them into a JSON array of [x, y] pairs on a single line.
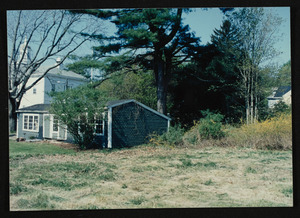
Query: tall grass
[[274, 133]]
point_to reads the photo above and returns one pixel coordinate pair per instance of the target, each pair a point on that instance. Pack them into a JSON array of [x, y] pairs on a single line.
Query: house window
[[34, 90], [68, 87], [53, 87], [55, 124], [99, 125], [31, 122], [97, 121]]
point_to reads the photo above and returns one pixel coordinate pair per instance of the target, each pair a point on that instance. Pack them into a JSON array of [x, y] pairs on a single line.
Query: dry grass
[[152, 177], [274, 134]]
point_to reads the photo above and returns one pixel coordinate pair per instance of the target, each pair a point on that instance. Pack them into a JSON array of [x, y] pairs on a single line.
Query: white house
[[56, 79], [36, 101], [34, 119], [283, 93]]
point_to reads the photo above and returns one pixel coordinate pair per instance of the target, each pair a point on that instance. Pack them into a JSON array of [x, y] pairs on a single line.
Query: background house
[[56, 79], [283, 93]]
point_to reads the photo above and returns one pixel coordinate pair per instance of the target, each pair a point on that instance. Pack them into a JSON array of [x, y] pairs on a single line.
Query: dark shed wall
[[131, 124]]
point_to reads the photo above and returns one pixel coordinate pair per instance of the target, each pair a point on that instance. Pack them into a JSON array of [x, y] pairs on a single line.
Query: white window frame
[[101, 122], [54, 118], [33, 124]]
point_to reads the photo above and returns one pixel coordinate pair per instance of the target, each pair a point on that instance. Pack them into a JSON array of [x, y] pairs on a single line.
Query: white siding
[[287, 97], [31, 99], [44, 87]]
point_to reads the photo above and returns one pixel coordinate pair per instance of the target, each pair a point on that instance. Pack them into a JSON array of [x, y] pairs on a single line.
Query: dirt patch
[[61, 144]]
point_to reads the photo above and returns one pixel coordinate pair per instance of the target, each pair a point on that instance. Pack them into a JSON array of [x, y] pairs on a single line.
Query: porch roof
[[38, 108]]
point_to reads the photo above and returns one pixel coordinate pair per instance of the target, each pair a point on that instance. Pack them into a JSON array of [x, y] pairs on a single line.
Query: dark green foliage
[[284, 75], [288, 192], [16, 188], [173, 136], [83, 65], [280, 108], [210, 126], [76, 108], [138, 200], [210, 81], [137, 85], [154, 39], [208, 182]]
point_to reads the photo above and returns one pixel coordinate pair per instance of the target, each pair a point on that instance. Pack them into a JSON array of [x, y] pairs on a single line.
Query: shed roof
[[35, 108], [116, 103]]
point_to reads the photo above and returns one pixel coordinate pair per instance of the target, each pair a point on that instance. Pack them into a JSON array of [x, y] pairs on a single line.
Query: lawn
[[49, 177]]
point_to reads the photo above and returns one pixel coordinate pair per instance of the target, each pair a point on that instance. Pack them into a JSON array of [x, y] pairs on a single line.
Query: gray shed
[[130, 122]]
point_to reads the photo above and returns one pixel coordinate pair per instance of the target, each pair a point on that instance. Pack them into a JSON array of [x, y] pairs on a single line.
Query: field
[[50, 177]]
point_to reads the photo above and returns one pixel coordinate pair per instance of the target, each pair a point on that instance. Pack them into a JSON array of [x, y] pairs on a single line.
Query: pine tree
[[149, 38]]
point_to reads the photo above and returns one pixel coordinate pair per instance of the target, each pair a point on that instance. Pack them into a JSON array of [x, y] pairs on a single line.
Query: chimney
[[58, 61]]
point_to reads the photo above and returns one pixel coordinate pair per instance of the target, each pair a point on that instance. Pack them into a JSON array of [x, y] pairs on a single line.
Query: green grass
[[51, 177], [28, 149]]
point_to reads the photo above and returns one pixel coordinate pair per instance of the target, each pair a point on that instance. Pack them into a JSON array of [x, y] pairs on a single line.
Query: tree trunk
[[251, 99], [12, 107], [247, 100], [161, 88]]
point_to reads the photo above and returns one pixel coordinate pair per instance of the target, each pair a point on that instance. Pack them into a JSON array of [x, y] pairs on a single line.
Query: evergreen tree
[[284, 75], [152, 38], [223, 68]]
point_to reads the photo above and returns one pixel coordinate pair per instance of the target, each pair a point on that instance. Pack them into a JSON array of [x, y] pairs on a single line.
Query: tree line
[[157, 59], [232, 74]]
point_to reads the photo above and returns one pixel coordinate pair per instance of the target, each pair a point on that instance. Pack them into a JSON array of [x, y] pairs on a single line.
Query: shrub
[[280, 108], [273, 133], [171, 138], [210, 127]]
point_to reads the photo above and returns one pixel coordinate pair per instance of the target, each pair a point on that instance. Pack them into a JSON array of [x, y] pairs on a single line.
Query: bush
[[280, 108], [210, 127], [173, 137], [273, 133]]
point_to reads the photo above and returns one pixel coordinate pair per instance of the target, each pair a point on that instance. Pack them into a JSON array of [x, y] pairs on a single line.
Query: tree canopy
[[152, 38]]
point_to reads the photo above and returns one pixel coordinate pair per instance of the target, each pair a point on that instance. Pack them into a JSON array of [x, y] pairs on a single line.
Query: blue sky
[[203, 22]]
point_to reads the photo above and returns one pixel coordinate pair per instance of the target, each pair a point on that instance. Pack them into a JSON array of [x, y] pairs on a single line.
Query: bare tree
[[257, 34], [35, 37]]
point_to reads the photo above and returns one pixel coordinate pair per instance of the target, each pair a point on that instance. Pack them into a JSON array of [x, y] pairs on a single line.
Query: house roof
[[44, 108], [116, 103], [35, 108], [59, 72], [282, 90]]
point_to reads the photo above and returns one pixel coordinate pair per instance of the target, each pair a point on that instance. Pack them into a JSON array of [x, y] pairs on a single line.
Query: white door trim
[[109, 131]]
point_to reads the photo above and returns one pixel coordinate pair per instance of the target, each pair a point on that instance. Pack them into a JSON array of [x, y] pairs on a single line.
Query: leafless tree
[[35, 37], [258, 32]]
